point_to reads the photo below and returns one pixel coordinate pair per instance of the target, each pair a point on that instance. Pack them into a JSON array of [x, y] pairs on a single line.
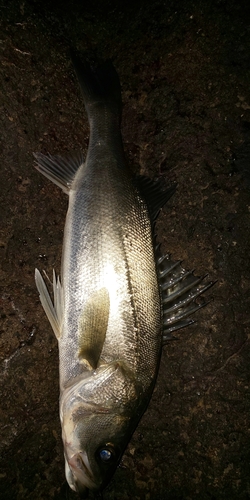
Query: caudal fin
[[99, 84]]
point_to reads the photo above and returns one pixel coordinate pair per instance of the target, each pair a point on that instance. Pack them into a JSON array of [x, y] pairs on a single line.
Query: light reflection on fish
[[119, 300]]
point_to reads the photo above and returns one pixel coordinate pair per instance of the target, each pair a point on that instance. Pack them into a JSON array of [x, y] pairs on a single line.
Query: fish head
[[98, 415], [95, 452]]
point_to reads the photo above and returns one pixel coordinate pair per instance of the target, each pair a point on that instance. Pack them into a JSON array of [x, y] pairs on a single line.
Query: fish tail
[[100, 84]]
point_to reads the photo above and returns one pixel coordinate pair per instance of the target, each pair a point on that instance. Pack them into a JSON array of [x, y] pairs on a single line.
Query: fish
[[119, 299]]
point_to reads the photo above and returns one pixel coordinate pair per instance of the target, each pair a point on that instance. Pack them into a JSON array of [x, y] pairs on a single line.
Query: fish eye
[[106, 453]]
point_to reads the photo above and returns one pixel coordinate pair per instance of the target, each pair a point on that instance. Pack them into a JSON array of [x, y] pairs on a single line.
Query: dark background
[[184, 68]]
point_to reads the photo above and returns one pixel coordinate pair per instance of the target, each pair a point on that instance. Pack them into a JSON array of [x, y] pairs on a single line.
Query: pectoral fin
[[93, 327]]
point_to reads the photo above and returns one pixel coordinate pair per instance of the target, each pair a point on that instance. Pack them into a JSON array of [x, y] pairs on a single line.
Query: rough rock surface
[[184, 67]]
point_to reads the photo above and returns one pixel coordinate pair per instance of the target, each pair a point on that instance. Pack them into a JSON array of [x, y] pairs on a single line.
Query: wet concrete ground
[[185, 72]]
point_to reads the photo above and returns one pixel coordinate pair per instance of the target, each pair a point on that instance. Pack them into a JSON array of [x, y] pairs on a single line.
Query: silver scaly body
[[118, 300]]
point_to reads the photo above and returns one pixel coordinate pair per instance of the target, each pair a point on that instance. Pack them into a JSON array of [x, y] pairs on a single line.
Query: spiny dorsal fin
[[180, 290], [59, 170], [153, 193], [54, 312], [92, 329]]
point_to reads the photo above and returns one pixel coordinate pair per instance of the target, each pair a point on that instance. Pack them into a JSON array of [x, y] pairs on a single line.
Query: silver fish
[[119, 300]]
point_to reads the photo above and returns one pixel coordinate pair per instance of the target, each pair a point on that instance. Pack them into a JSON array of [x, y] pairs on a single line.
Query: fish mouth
[[79, 475]]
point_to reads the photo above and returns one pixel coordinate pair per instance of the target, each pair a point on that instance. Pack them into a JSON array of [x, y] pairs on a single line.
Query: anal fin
[[58, 169]]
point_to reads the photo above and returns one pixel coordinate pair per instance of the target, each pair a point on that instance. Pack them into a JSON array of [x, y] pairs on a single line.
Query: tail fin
[[99, 84]]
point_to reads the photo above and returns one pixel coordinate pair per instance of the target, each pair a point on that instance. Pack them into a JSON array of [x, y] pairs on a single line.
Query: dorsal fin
[[92, 329], [58, 169], [180, 290], [153, 193]]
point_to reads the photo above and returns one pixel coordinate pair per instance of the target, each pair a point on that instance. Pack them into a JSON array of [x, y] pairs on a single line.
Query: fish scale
[[118, 249], [119, 299]]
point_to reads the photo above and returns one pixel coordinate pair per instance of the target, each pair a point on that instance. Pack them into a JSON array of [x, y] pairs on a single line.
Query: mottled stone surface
[[185, 73]]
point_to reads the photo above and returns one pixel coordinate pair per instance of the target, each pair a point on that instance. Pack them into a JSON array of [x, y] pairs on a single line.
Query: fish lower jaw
[[78, 473]]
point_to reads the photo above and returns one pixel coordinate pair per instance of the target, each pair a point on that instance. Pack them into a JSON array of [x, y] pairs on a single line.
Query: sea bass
[[118, 300]]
